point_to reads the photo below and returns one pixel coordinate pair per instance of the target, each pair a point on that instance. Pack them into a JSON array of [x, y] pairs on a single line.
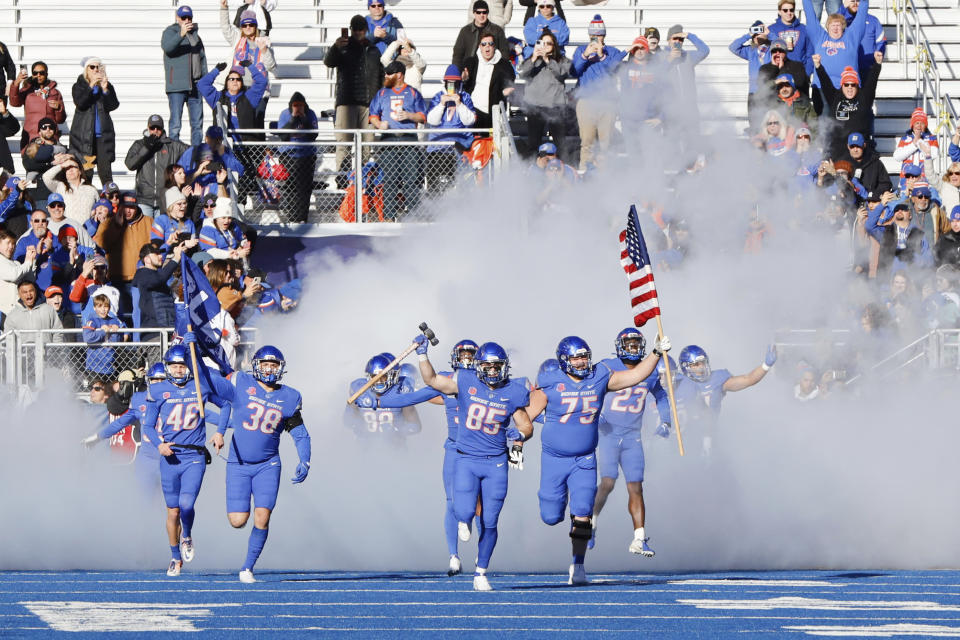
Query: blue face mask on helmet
[[625, 343], [460, 352], [264, 355], [492, 364], [375, 365], [177, 354], [694, 363], [157, 372], [574, 347]]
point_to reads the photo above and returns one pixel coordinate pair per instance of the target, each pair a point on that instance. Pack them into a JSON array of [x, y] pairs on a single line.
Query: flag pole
[[673, 400], [196, 373]]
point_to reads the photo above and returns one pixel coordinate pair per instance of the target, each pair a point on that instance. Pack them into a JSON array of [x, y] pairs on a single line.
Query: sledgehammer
[[427, 331]]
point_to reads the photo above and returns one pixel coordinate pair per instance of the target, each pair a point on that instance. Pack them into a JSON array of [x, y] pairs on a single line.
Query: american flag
[[636, 264]]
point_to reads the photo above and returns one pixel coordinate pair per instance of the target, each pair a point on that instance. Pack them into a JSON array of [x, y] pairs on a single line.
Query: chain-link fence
[[31, 356]]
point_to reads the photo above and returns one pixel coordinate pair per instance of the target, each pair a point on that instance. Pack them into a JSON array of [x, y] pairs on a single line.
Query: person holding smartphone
[[184, 63], [92, 134], [40, 99]]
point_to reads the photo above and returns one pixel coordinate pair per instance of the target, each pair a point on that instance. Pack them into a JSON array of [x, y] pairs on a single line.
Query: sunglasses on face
[[676, 39], [953, 173], [95, 67], [43, 221], [233, 79], [785, 10], [56, 205], [114, 196], [920, 197], [803, 137], [488, 44], [481, 12], [544, 6], [39, 73], [850, 84], [210, 206], [772, 122], [47, 127], [376, 6]]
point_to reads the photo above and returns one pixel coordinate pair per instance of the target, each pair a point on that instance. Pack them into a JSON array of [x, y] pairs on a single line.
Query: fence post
[[359, 188], [38, 359]]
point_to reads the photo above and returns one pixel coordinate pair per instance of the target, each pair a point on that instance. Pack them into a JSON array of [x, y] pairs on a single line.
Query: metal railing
[[28, 357]]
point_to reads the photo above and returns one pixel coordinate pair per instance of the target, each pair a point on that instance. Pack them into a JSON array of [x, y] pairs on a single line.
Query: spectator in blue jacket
[[451, 108], [298, 124], [221, 235], [174, 226], [837, 45], [545, 18], [788, 28], [382, 26], [596, 65], [99, 329], [45, 243], [902, 243], [754, 47], [241, 103], [874, 39]]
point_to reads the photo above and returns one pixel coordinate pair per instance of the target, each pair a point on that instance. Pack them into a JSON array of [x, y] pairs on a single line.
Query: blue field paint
[[888, 604]]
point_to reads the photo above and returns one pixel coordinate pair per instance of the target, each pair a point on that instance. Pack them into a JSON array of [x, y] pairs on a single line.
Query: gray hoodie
[[545, 82]]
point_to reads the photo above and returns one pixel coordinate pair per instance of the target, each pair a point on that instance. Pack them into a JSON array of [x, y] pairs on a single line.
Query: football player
[[488, 398], [367, 419], [572, 397], [263, 409], [619, 445]]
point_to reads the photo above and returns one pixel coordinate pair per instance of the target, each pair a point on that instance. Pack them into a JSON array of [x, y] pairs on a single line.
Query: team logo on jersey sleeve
[[472, 391], [143, 408], [166, 395], [251, 390], [561, 387]]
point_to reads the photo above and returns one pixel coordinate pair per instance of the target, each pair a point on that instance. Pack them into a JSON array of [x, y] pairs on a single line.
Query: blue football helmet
[[492, 364], [268, 354], [550, 364], [407, 370], [460, 352], [623, 345], [694, 363], [177, 354], [662, 371], [573, 347], [375, 365], [157, 372]]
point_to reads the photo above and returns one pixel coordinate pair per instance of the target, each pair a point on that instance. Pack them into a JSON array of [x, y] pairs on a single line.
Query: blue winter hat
[[102, 202], [213, 131], [547, 149], [248, 17], [596, 27], [184, 12], [910, 169], [955, 213], [785, 78], [55, 197], [452, 74], [921, 191], [12, 182], [856, 140]]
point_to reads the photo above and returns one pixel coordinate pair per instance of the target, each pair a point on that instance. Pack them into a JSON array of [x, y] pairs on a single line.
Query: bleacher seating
[[126, 35]]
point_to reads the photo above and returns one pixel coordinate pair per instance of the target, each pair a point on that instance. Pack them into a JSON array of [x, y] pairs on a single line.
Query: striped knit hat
[[918, 115], [596, 27], [850, 75]]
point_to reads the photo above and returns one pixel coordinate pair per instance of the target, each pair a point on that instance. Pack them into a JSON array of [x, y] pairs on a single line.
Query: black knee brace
[[580, 529]]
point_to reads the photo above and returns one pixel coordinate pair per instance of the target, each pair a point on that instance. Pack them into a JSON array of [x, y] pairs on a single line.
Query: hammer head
[[428, 332]]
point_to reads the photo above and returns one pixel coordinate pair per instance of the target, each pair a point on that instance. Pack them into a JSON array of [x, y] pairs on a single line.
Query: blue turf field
[[733, 604]]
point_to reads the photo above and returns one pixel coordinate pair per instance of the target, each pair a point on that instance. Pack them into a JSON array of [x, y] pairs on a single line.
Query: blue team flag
[[202, 308], [636, 264]]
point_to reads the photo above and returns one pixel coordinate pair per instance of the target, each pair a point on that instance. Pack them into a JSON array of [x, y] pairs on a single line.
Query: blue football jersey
[[388, 102], [259, 418], [485, 412], [700, 401], [174, 414], [573, 410], [398, 396], [622, 413], [368, 421]]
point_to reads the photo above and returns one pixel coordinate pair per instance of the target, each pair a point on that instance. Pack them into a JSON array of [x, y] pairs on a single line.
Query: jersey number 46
[[184, 416]]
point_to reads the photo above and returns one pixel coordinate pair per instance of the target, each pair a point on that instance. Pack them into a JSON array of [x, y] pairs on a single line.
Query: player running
[[461, 357], [700, 390], [572, 397], [172, 419], [368, 419], [262, 410], [488, 398], [619, 444]]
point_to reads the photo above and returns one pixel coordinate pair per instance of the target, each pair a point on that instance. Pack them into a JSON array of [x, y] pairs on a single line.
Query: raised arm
[[738, 383], [631, 377], [442, 384]]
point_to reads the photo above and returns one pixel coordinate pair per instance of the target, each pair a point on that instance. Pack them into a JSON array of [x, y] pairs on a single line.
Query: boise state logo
[[472, 391], [143, 408], [367, 402], [252, 390], [832, 47], [166, 395], [561, 387]]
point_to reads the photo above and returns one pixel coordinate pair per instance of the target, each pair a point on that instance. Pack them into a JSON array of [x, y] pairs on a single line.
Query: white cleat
[[463, 531], [640, 547], [186, 549], [246, 577], [455, 566], [578, 575], [480, 583], [174, 569]]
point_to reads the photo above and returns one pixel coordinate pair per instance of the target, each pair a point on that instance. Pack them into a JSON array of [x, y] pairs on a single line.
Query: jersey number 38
[[262, 418]]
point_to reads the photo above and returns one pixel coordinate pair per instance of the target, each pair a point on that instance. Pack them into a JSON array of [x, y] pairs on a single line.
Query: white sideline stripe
[[819, 604], [734, 582], [882, 631], [117, 616]]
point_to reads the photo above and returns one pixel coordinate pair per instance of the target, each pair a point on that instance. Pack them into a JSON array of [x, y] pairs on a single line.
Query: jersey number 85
[[480, 417]]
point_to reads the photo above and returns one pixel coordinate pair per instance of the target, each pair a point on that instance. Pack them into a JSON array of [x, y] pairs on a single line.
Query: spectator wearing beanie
[[382, 26], [39, 97], [866, 165], [184, 63], [451, 109], [918, 145], [681, 72], [92, 135], [251, 50], [240, 101], [359, 77], [149, 157], [836, 45], [488, 78], [261, 10], [849, 108], [532, 6], [641, 91], [173, 227], [98, 213], [652, 34], [545, 94], [468, 40], [546, 18], [793, 33], [501, 11], [755, 49], [595, 65], [300, 160], [221, 236]]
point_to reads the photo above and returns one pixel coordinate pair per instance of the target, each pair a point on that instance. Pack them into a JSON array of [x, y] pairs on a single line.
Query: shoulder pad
[[406, 385], [356, 384]]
